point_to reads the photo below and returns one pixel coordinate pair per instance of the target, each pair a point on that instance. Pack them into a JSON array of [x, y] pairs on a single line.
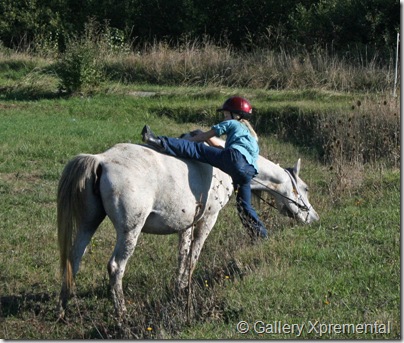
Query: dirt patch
[[28, 177], [143, 94], [8, 106]]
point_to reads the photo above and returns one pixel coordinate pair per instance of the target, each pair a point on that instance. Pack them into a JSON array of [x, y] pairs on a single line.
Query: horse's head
[[292, 198]]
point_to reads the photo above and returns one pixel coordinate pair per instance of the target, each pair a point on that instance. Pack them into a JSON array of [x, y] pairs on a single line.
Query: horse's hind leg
[[127, 237], [83, 238], [89, 224]]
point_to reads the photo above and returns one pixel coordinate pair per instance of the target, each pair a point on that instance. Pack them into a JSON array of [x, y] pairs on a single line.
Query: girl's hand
[[208, 137]]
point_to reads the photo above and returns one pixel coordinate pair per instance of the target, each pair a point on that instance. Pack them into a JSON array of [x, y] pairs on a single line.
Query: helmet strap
[[232, 116]]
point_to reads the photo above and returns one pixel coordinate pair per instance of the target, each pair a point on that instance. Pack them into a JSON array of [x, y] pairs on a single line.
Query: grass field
[[338, 278]]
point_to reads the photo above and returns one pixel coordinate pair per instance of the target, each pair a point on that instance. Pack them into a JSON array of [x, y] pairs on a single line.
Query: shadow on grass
[[28, 94], [12, 305], [90, 313], [162, 317], [166, 316]]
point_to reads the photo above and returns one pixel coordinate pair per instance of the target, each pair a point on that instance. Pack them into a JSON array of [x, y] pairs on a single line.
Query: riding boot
[[149, 138], [263, 233]]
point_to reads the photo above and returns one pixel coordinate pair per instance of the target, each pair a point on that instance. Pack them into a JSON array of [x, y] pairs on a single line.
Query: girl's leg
[[242, 183], [247, 212], [179, 147], [219, 158]]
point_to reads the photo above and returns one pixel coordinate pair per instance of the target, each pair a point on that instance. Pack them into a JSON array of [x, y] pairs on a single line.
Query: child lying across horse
[[238, 158]]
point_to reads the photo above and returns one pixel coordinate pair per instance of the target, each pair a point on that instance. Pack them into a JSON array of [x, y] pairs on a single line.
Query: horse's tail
[[71, 206]]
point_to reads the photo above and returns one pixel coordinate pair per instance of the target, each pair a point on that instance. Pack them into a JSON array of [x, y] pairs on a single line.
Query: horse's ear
[[296, 168]]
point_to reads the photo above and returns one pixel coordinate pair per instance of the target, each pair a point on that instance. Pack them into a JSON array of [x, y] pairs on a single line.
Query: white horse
[[142, 190]]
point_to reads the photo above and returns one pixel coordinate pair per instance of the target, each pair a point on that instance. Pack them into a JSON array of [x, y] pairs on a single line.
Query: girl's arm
[[208, 137]]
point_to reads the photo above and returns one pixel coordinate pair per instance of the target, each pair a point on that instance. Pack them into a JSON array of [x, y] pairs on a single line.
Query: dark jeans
[[230, 161]]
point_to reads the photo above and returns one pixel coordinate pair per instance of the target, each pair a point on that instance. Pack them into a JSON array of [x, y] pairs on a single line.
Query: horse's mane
[[190, 134]]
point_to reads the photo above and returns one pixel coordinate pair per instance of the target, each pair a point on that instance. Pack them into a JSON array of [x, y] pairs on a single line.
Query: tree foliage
[[245, 23]]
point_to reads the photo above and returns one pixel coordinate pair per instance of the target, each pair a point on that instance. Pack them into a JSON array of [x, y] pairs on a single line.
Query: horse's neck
[[269, 174]]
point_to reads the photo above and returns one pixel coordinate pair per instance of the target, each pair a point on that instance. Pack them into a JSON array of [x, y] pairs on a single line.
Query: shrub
[[80, 67]]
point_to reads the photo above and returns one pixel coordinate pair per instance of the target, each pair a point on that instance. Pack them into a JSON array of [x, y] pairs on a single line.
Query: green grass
[[343, 269]]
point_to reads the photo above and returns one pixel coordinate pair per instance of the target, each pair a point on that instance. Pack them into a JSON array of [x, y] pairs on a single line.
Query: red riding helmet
[[237, 105]]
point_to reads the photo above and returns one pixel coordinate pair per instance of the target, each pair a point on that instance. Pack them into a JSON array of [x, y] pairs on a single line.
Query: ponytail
[[249, 127]]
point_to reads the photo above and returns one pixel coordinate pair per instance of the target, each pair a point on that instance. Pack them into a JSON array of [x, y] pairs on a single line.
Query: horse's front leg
[[190, 246], [184, 246], [125, 245]]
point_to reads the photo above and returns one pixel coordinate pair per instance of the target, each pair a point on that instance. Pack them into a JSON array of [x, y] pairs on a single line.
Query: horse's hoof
[[62, 317]]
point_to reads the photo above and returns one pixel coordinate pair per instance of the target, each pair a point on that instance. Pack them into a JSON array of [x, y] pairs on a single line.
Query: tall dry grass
[[368, 135], [201, 63]]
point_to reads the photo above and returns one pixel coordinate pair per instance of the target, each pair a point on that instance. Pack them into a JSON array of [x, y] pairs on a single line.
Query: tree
[[244, 23]]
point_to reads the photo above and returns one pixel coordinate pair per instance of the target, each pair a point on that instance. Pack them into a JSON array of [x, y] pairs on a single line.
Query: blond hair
[[249, 127]]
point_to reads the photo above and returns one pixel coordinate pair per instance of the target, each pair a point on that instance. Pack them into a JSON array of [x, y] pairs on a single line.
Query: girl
[[238, 158]]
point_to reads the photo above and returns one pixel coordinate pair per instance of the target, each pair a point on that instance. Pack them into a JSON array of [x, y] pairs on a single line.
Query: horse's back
[[139, 182]]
